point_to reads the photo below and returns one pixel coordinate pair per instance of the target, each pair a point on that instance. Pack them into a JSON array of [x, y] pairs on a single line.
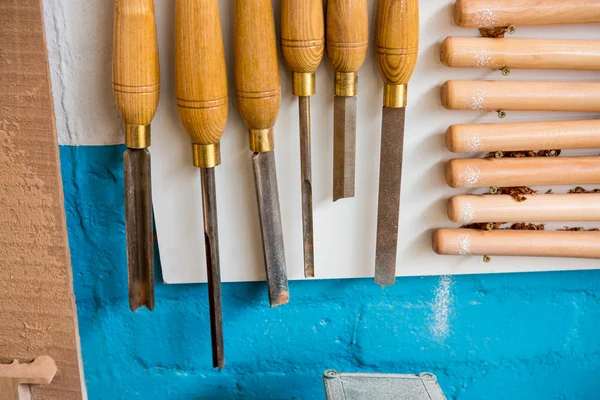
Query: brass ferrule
[[206, 155], [304, 83], [262, 140], [394, 96], [137, 136], [346, 84]]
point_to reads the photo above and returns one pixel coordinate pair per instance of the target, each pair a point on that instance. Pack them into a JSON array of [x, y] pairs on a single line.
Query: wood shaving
[[579, 189], [526, 153], [516, 192], [493, 32], [577, 229]]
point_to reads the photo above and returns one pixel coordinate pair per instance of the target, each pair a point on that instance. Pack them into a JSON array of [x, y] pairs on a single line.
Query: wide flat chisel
[[203, 103], [397, 47], [136, 86], [347, 42], [303, 44], [258, 93]]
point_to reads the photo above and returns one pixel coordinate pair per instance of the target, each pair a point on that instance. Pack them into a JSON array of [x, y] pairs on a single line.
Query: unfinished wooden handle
[[347, 34], [467, 242], [523, 136], [521, 96], [136, 71], [500, 13], [302, 34], [534, 171], [40, 372]]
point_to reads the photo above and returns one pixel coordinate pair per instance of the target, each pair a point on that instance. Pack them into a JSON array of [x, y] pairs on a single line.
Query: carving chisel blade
[[344, 146], [270, 226], [388, 210], [138, 214], [306, 175]]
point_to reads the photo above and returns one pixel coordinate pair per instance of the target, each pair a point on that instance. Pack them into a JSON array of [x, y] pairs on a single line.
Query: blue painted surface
[[514, 336]]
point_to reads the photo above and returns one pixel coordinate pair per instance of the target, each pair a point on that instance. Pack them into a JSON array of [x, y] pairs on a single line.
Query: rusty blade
[[344, 146], [270, 226], [138, 215], [213, 265], [388, 210], [306, 175]]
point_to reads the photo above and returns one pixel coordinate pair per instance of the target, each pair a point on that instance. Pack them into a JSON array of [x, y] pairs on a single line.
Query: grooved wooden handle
[[302, 34], [397, 39], [136, 72], [534, 171], [499, 13], [521, 96], [467, 242], [523, 136], [347, 34], [200, 70], [256, 64], [466, 52]]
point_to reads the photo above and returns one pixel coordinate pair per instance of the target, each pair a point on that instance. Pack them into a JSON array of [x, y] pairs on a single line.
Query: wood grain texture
[[397, 42], [521, 96], [465, 138], [200, 70], [498, 13], [347, 34], [136, 71], [37, 306], [302, 34]]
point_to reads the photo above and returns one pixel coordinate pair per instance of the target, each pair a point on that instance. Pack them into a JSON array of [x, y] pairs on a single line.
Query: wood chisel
[[203, 102], [347, 42], [397, 49], [258, 97], [136, 86], [303, 44]]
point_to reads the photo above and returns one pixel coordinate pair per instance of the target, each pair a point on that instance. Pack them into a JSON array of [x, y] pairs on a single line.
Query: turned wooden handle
[[500, 13], [347, 34], [523, 136], [136, 72], [466, 52], [467, 209], [521, 96], [256, 63], [466, 242], [397, 42], [302, 34], [530, 171]]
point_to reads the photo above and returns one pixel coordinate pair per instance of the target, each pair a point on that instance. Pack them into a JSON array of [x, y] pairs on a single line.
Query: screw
[[486, 259], [501, 114], [498, 154], [330, 373], [489, 226], [428, 376], [505, 71], [493, 189], [512, 29]]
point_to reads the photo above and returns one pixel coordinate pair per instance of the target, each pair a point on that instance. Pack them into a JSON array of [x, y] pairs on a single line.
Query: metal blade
[[213, 265], [140, 240], [270, 225], [344, 146], [388, 211], [306, 174]]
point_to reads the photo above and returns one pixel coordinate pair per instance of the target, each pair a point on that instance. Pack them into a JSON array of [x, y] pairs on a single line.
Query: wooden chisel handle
[[136, 71], [529, 171], [397, 47], [201, 77], [521, 96], [500, 13], [466, 242], [473, 138], [466, 52]]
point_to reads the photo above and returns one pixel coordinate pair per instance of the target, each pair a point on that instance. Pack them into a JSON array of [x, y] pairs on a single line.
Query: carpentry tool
[[467, 52], [258, 97], [397, 50], [347, 42], [16, 378], [521, 96], [506, 242], [203, 107], [136, 86], [303, 43]]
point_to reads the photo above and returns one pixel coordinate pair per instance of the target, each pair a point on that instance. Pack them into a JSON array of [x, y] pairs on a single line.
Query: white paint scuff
[[474, 144], [478, 100], [442, 309], [470, 177], [467, 213], [463, 245], [486, 18], [482, 59]]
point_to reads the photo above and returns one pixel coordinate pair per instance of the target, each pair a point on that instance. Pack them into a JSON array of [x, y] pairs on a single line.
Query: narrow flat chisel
[[397, 49], [303, 44], [136, 86], [201, 78], [258, 98], [347, 42]]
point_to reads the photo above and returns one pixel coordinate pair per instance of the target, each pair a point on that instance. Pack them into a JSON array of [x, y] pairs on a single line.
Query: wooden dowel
[[467, 242]]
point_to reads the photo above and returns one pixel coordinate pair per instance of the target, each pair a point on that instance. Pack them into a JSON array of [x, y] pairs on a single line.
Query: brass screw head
[[486, 259], [512, 29], [498, 154], [505, 71], [501, 114], [489, 226], [493, 190]]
